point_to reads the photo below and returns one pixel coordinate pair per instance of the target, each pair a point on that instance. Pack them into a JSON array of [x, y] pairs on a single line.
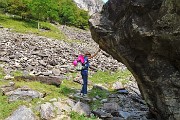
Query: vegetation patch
[[2, 74], [76, 116], [107, 78], [17, 73], [62, 11], [101, 94], [7, 108], [30, 26], [67, 88]]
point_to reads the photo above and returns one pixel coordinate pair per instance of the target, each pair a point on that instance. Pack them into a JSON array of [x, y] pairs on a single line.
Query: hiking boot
[[85, 96], [79, 95]]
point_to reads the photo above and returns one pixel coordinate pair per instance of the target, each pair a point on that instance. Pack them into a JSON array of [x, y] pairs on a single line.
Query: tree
[[43, 9], [70, 14], [3, 4]]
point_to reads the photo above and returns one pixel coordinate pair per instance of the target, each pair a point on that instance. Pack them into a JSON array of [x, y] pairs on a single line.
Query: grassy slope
[[18, 25], [67, 87]]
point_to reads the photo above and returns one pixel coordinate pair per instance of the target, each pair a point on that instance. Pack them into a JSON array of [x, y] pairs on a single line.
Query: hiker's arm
[[94, 54]]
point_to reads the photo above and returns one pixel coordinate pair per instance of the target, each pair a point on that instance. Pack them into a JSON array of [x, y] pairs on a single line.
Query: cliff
[[92, 6]]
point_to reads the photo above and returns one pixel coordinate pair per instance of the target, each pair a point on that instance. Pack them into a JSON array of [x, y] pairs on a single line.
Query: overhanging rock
[[145, 36]]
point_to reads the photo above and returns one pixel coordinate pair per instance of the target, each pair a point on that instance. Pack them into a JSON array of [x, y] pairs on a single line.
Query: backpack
[[79, 63], [79, 66]]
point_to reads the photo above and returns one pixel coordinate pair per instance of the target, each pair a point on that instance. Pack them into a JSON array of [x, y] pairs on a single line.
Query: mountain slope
[[92, 6]]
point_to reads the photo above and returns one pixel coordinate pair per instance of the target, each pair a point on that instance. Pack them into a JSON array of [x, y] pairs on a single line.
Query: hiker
[[84, 72]]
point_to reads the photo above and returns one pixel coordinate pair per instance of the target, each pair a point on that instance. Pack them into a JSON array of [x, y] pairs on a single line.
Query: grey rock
[[82, 108], [138, 33], [90, 5], [22, 113], [70, 102], [102, 114], [111, 107], [23, 94], [125, 115], [62, 106], [53, 100], [41, 62], [3, 59], [117, 85], [47, 111], [8, 76], [56, 72]]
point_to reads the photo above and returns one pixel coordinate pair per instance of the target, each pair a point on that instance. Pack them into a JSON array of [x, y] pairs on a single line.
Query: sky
[[105, 0]]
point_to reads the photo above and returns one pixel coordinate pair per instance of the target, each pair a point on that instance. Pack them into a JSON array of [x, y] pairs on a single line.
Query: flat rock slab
[[47, 80], [22, 113], [23, 94]]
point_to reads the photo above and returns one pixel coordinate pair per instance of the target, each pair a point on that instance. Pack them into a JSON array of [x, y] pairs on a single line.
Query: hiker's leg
[[82, 90], [85, 83]]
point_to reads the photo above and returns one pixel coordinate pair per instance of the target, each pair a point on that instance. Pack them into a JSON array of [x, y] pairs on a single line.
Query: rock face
[[145, 36], [92, 6]]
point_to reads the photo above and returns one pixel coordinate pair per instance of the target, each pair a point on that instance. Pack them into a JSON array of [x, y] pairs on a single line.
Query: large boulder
[[145, 36]]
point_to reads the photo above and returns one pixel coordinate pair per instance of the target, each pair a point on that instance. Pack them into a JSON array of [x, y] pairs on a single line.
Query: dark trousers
[[84, 74]]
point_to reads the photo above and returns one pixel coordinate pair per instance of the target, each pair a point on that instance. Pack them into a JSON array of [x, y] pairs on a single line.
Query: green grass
[[51, 92], [67, 87], [108, 78], [7, 108], [18, 25], [76, 116], [2, 74], [97, 92], [17, 73]]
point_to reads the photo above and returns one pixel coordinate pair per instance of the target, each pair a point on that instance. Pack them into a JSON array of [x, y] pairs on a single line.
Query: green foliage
[[71, 15], [66, 90], [17, 73], [97, 92], [110, 77], [18, 7], [63, 11], [2, 74], [30, 27], [43, 9], [7, 108], [76, 116]]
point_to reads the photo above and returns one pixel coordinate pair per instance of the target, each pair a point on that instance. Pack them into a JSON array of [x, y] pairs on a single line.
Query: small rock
[[102, 114], [61, 106], [111, 107], [117, 85], [47, 111], [82, 108], [56, 72], [53, 100], [7, 77], [41, 62], [104, 100]]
